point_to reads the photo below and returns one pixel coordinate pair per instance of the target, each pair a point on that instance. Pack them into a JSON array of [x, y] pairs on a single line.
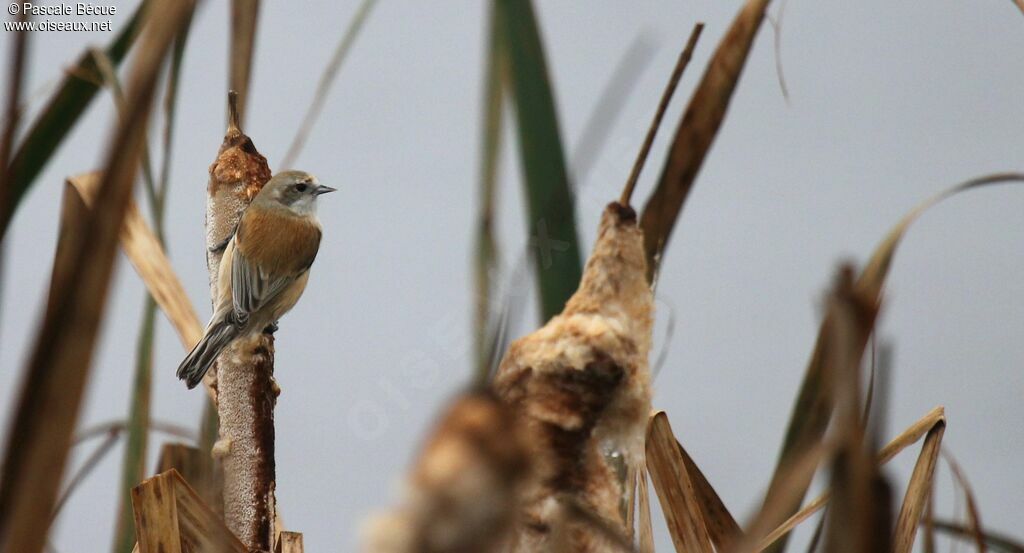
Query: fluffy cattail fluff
[[581, 387], [463, 493]]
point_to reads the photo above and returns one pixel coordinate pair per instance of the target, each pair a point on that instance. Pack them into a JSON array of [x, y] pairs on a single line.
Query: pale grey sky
[[890, 102]]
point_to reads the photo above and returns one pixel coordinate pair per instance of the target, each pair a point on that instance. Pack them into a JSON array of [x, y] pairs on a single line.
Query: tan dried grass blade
[[659, 113], [918, 490], [906, 438], [928, 521], [998, 542], [289, 542], [147, 256], [790, 486], [812, 408], [675, 490], [143, 250], [244, 16], [973, 514], [860, 506], [326, 80], [701, 121], [170, 517], [721, 525], [873, 276], [60, 362], [646, 530]]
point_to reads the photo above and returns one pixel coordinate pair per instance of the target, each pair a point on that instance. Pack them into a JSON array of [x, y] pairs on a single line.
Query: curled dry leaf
[[464, 489], [581, 385]]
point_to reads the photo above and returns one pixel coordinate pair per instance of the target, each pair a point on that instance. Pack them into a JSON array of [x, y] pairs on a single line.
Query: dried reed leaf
[[659, 113], [696, 132], [133, 465], [973, 514], [172, 518], [859, 519], [551, 210], [675, 490], [802, 467], [812, 409], [721, 525], [244, 17], [326, 80], [90, 463], [646, 530], [629, 498], [918, 490], [12, 113], [59, 367], [1020, 4], [928, 521], [143, 250], [61, 113], [136, 443], [998, 542], [873, 277], [194, 466], [289, 542], [486, 260], [911, 435]]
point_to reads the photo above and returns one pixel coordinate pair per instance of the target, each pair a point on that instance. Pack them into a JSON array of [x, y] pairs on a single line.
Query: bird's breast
[[278, 243]]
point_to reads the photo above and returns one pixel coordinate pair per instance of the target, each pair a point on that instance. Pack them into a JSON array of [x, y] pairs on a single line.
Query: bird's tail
[[218, 335]]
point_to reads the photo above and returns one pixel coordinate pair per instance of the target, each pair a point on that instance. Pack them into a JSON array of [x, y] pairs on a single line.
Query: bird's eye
[[301, 187]]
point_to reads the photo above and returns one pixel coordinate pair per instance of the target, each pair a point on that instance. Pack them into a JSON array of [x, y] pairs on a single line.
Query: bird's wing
[[267, 259], [252, 287]]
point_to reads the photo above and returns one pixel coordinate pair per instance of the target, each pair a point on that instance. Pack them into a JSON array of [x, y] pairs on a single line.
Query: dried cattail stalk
[[237, 175], [244, 375], [581, 385], [464, 491]]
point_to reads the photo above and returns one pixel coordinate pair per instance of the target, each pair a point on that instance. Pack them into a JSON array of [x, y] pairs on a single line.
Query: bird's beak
[[321, 189]]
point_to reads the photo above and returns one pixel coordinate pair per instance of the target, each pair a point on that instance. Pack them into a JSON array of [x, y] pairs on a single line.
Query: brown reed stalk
[[61, 358]]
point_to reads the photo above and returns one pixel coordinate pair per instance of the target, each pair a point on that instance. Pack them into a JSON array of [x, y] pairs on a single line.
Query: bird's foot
[[271, 328]]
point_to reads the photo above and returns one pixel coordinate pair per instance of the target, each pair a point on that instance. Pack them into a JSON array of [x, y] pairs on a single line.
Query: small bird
[[264, 269]]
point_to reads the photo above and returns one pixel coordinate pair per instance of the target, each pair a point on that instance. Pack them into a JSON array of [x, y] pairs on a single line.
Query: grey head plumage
[[295, 190]]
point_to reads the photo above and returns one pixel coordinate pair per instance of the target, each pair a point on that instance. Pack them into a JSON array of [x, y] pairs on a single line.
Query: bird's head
[[294, 190]]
